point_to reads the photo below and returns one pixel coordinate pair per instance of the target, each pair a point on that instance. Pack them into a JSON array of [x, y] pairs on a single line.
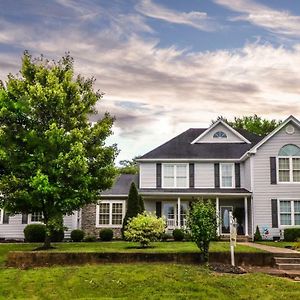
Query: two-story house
[[237, 170]]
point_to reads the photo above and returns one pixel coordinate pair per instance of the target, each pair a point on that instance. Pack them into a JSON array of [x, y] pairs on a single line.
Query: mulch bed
[[225, 268]]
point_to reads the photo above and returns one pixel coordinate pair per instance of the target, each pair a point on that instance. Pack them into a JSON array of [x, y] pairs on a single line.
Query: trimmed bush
[[90, 238], [257, 235], [35, 233], [291, 234], [77, 235], [57, 236], [106, 234], [178, 235], [165, 237], [187, 237]]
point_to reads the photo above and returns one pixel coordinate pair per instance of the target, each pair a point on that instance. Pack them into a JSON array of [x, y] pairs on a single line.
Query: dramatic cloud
[[196, 19], [156, 92], [282, 22]]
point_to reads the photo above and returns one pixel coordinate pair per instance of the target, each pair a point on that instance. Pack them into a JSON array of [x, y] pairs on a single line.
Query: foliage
[[144, 228], [129, 166], [133, 205], [90, 238], [257, 235], [202, 223], [35, 233], [77, 235], [57, 235], [165, 236], [291, 234], [54, 160], [254, 124], [178, 234], [106, 234], [141, 204]]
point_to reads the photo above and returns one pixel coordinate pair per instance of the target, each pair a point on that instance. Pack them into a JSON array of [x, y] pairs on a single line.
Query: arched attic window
[[289, 163], [220, 135]]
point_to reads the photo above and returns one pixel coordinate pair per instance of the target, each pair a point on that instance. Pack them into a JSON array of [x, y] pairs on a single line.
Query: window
[[4, 217], [289, 212], [220, 134], [175, 175], [110, 213], [289, 164], [227, 175], [37, 217]]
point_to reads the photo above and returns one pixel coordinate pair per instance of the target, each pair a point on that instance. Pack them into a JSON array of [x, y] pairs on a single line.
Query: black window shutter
[[237, 175], [192, 175], [158, 209], [24, 218], [273, 170], [274, 213], [217, 175], [5, 218], [158, 175]]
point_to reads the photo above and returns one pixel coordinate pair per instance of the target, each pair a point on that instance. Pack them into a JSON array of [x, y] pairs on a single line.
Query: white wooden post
[[178, 212], [217, 213], [246, 215]]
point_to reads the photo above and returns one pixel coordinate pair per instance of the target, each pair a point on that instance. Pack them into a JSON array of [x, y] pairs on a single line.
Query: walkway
[[271, 249]]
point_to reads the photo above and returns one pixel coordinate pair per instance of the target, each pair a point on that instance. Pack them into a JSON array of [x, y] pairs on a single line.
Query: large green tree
[[129, 166], [54, 161], [254, 124]]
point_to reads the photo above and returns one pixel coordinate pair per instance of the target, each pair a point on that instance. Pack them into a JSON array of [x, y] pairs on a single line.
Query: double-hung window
[[289, 164], [110, 213], [175, 175], [36, 217], [227, 175], [289, 212]]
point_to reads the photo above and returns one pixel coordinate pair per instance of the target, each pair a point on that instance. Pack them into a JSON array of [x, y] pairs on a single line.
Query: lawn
[[279, 244], [141, 281], [121, 246]]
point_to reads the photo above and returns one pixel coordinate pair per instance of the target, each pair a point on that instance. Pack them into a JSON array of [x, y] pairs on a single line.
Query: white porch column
[[178, 212], [246, 215], [217, 213]]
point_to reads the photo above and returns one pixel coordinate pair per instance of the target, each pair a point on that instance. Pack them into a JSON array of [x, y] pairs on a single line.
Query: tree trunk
[[47, 242]]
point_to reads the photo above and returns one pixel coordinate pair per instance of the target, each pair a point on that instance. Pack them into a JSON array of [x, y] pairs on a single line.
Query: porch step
[[290, 262], [239, 238], [288, 266], [287, 260]]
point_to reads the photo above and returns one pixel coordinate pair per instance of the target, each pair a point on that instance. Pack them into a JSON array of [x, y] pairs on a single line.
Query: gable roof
[[209, 129], [181, 147], [121, 185]]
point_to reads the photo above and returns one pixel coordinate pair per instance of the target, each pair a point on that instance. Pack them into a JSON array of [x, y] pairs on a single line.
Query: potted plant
[[239, 214]]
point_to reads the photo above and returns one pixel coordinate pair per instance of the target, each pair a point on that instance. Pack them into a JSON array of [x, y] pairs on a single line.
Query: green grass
[[140, 281], [279, 244]]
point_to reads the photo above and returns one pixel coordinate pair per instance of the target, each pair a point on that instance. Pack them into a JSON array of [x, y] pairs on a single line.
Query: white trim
[[114, 195], [233, 175], [246, 215], [194, 194], [33, 222], [188, 160], [221, 225], [1, 216], [290, 170], [218, 215], [110, 202], [292, 212], [227, 126], [178, 212], [175, 175]]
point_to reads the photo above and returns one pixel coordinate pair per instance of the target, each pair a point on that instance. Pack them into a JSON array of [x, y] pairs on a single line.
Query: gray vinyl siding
[[247, 175], [263, 191], [147, 175], [14, 230], [150, 205], [204, 175], [231, 137]]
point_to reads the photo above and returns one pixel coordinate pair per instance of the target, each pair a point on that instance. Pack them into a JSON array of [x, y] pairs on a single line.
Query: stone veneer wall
[[88, 222]]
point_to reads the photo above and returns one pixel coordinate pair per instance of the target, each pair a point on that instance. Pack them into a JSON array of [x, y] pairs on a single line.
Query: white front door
[[225, 224]]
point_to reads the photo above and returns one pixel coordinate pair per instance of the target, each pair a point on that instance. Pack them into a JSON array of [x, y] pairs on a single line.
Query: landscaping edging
[[26, 259]]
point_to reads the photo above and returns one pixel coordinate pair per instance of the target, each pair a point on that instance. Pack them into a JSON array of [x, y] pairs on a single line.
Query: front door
[[225, 224]]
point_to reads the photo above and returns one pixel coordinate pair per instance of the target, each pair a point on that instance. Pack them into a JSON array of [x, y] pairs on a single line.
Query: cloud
[[281, 22], [196, 19], [156, 92]]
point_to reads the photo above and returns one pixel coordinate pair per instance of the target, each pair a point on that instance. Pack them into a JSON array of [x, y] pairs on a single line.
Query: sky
[[166, 65]]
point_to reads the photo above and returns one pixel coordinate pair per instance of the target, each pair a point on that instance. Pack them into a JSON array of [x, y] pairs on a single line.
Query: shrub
[[165, 236], [291, 234], [203, 224], [106, 234], [144, 228], [57, 236], [178, 234], [187, 236], [90, 238], [77, 235], [35, 233], [257, 235]]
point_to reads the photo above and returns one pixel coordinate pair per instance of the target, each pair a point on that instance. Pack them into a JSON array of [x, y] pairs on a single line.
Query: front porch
[[175, 210]]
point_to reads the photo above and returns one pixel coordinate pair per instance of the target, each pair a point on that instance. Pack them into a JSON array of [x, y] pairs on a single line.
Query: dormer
[[220, 132]]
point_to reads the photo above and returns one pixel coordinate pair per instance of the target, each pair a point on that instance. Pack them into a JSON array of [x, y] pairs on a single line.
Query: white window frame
[[291, 170], [33, 222], [233, 176], [1, 215], [175, 176], [111, 202], [292, 200]]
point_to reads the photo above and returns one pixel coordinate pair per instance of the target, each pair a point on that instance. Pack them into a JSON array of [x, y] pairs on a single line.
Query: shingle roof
[[181, 147], [122, 184]]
